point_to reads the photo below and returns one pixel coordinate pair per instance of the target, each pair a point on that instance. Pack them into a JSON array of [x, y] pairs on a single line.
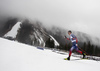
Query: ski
[[75, 59]]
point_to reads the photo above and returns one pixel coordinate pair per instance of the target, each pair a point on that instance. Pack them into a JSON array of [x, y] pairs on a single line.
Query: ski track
[[16, 56]]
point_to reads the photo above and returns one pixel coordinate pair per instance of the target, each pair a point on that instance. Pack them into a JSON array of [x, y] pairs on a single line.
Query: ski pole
[[82, 50]]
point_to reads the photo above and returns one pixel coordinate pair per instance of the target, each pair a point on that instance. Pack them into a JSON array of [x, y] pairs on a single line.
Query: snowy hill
[[40, 34], [13, 32], [55, 41], [32, 34], [16, 56]]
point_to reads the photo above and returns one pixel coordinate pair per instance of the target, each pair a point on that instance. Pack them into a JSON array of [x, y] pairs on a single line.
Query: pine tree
[[50, 43], [92, 49], [24, 32], [96, 49], [84, 46], [88, 48]]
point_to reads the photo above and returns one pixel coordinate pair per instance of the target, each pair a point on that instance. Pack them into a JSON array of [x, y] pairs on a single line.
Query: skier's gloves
[[65, 37], [76, 44]]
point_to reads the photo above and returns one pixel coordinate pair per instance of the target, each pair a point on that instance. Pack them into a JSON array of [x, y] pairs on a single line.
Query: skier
[[74, 41]]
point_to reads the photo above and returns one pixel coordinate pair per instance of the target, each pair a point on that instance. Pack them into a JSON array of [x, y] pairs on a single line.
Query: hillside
[[36, 34], [16, 56]]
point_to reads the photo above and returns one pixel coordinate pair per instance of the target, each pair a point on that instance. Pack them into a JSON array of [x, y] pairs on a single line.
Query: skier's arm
[[73, 38], [67, 38]]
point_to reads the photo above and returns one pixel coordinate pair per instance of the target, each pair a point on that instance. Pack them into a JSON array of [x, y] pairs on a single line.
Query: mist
[[77, 15]]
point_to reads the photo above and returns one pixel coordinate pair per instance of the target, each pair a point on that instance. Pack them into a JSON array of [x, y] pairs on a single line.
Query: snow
[[38, 38], [16, 56], [56, 43], [13, 31]]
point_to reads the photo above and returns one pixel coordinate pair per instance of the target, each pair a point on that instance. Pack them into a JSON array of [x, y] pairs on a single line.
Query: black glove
[[65, 37]]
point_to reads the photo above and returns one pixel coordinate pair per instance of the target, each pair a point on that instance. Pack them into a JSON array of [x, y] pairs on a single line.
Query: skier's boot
[[67, 58], [84, 55]]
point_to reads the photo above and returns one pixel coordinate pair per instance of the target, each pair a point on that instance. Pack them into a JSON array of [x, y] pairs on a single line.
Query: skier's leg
[[80, 52], [78, 49], [70, 52]]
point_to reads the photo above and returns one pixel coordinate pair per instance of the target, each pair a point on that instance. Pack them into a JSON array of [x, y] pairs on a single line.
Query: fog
[[77, 15]]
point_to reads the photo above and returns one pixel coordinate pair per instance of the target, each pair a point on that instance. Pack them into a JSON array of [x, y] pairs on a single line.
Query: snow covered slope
[[37, 37], [16, 56], [13, 31], [56, 43]]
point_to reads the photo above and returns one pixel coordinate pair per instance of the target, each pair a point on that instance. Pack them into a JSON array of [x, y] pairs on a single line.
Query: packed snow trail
[[16, 56]]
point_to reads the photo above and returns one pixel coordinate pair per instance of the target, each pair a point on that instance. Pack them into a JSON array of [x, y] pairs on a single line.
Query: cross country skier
[[74, 41]]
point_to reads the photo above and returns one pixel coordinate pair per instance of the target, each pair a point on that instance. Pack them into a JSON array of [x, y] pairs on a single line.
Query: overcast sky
[[78, 15]]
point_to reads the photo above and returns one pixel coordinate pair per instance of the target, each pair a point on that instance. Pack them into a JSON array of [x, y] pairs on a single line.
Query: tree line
[[88, 48]]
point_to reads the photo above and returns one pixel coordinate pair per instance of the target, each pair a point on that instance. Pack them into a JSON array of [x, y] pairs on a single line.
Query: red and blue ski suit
[[74, 41]]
